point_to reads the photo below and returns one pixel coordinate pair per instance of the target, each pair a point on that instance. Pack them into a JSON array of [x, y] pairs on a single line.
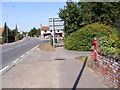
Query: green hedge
[[82, 40], [110, 46]]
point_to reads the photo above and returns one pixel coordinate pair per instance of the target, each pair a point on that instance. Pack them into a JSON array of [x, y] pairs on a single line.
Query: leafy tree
[[24, 33], [32, 32], [38, 32], [7, 34], [80, 14], [15, 31], [70, 15], [19, 36], [6, 31]]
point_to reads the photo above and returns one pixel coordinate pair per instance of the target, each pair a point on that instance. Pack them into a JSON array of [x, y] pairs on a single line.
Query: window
[[45, 30]]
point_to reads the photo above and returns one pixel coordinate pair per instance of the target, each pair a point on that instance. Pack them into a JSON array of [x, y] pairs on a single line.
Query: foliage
[[38, 32], [6, 30], [2, 40], [70, 15], [24, 33], [82, 39], [15, 31], [19, 36], [7, 34], [77, 15], [110, 46], [34, 32]]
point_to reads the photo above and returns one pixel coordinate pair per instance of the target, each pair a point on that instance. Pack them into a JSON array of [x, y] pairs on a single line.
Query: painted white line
[[15, 61], [6, 50], [22, 56], [4, 69], [35, 47], [11, 48], [27, 52]]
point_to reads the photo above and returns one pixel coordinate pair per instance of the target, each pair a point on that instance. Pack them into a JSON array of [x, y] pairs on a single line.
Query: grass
[[82, 58], [46, 47]]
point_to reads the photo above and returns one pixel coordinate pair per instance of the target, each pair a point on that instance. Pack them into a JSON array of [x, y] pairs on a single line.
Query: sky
[[29, 14]]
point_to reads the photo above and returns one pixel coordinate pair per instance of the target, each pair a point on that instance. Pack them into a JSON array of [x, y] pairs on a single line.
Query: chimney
[[41, 26]]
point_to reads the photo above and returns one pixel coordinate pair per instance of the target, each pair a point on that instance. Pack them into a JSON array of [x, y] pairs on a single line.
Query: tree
[[7, 34], [32, 32], [70, 15], [24, 33], [77, 15], [15, 31], [38, 32], [6, 31]]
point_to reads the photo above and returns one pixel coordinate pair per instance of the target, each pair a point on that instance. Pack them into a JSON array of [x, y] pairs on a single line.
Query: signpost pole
[[53, 33]]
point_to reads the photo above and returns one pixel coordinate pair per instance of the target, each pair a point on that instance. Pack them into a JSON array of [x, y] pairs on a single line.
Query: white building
[[56, 26], [45, 32]]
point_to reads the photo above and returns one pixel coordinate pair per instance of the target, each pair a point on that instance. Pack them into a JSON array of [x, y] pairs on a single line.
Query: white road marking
[[22, 56], [8, 49], [15, 61], [27, 52], [4, 69]]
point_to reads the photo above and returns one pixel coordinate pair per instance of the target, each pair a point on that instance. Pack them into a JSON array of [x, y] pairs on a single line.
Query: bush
[[19, 36], [82, 40], [110, 46]]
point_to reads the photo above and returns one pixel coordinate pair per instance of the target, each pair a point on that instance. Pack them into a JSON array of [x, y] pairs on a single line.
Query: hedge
[[82, 39]]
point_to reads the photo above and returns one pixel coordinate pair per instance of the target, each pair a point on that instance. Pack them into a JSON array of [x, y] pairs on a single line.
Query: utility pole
[[53, 33], [6, 33]]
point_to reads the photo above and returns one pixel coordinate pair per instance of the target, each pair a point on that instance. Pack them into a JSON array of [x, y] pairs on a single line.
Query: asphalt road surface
[[11, 52]]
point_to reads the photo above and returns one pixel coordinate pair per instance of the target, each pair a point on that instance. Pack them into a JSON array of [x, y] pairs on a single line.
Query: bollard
[[95, 53]]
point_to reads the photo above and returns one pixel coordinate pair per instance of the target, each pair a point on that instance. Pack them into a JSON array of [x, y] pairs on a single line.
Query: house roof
[[43, 28], [1, 30]]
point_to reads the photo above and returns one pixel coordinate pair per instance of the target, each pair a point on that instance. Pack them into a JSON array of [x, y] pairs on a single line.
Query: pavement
[[44, 69]]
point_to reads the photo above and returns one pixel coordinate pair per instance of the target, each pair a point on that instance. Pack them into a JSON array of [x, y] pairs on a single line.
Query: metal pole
[[7, 33], [53, 33]]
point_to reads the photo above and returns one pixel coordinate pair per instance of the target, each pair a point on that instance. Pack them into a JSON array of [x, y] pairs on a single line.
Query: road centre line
[[22, 56], [3, 69], [27, 52], [15, 61]]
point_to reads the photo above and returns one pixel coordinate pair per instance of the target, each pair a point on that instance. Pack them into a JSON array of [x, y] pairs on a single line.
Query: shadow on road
[[80, 74]]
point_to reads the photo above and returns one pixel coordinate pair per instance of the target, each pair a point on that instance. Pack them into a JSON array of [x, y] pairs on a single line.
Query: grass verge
[[82, 58], [46, 47]]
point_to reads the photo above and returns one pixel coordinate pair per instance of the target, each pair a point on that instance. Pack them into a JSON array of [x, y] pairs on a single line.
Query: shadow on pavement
[[60, 46], [80, 74], [60, 59]]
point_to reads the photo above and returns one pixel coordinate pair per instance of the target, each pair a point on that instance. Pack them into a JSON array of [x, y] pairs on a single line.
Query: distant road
[[13, 51]]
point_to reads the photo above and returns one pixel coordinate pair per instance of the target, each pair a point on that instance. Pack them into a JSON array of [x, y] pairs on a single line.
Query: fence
[[107, 68]]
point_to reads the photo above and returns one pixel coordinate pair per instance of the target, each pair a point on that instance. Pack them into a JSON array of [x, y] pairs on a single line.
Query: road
[[14, 51]]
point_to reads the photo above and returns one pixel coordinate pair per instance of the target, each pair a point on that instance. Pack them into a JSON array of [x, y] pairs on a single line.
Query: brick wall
[[108, 69]]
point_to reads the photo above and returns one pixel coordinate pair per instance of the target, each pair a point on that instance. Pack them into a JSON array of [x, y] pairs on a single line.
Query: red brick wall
[[108, 69]]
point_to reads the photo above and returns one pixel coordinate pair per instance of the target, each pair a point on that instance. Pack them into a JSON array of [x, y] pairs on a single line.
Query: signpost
[[54, 25]]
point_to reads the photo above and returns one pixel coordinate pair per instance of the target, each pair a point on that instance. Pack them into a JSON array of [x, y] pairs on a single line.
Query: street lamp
[[7, 26]]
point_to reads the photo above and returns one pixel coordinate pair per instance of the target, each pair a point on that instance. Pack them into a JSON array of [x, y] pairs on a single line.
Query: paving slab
[[59, 69]]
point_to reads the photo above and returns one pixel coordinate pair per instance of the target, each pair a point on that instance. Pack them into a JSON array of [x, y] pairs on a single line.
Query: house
[[45, 32], [1, 30]]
